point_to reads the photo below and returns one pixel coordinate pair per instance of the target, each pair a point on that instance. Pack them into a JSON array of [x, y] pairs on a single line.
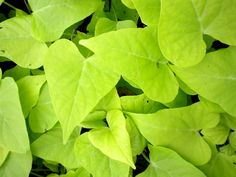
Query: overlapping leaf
[[113, 141], [17, 43], [167, 163], [49, 146], [85, 84], [3, 155], [52, 17], [29, 89], [13, 134], [42, 116], [17, 164], [95, 162], [213, 77], [183, 23], [174, 127], [134, 53]]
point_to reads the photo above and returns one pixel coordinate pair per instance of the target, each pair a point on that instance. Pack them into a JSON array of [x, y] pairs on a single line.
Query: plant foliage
[[118, 88]]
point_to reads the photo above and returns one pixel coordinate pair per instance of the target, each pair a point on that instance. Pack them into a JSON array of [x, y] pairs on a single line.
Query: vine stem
[[27, 6], [9, 5], [146, 158]]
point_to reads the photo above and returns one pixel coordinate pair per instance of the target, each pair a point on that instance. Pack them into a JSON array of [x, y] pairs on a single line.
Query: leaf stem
[[9, 5], [35, 174], [145, 157], [28, 7]]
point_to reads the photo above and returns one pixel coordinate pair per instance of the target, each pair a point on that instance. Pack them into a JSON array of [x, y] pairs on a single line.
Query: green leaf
[[137, 141], [180, 35], [219, 165], [165, 162], [17, 72], [49, 146], [17, 165], [113, 141], [95, 162], [13, 134], [1, 1], [17, 43], [42, 116], [232, 139], [51, 18], [3, 155], [130, 57], [213, 77], [217, 135], [140, 104], [174, 127], [149, 11], [83, 87], [29, 89], [128, 3]]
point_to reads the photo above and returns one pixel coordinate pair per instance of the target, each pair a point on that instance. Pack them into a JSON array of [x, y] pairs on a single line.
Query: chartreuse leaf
[[3, 155], [80, 172], [97, 163], [17, 43], [1, 1], [137, 141], [52, 17], [181, 34], [49, 146], [113, 141], [83, 87], [128, 3], [140, 104], [232, 139], [165, 162], [17, 72], [213, 77], [219, 165], [42, 116], [17, 164], [218, 134], [174, 127], [105, 25], [130, 56], [29, 89], [13, 134], [150, 16]]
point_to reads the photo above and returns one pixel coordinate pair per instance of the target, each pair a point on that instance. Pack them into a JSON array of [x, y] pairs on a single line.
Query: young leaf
[[49, 146], [83, 87], [16, 164], [52, 17], [29, 89], [19, 45], [42, 116], [174, 127], [213, 77], [17, 72], [130, 56], [13, 134], [166, 162], [95, 162], [113, 141]]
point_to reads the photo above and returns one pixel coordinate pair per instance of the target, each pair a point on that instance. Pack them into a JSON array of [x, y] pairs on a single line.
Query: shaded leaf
[[3, 155], [49, 146]]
